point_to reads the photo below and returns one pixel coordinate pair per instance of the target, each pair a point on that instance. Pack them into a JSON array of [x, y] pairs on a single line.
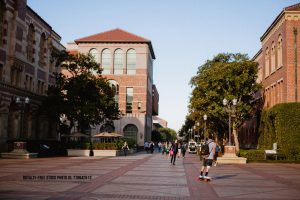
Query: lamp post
[[194, 127], [205, 118], [230, 109], [198, 135], [22, 102]]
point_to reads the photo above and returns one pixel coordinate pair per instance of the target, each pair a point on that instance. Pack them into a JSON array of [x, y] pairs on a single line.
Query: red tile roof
[[73, 52], [295, 7], [116, 35]]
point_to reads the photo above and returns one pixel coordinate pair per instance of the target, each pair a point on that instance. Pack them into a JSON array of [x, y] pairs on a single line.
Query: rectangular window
[[129, 100], [26, 82], [38, 86], [30, 84]]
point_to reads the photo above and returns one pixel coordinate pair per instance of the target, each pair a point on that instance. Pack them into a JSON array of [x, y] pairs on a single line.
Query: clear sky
[[184, 34]]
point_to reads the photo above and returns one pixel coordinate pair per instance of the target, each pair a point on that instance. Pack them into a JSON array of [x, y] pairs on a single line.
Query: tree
[[156, 136], [188, 124], [81, 93], [168, 134], [225, 76]]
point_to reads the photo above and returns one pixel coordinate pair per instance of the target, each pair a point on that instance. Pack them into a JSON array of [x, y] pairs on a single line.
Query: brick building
[[127, 62], [278, 69], [26, 42]]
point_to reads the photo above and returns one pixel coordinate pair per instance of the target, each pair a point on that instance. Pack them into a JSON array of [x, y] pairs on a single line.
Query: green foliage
[[81, 93], [252, 154], [168, 134], [281, 124], [188, 124], [225, 76], [78, 145], [104, 146], [130, 142], [156, 136]]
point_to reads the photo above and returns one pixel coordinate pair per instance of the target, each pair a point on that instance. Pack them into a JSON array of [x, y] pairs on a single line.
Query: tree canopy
[[81, 93], [168, 134], [227, 76]]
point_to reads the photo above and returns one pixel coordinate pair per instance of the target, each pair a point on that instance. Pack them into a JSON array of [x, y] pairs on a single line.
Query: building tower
[[127, 62]]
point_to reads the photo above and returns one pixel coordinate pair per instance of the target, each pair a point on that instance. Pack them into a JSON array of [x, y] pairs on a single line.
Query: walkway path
[[143, 176]]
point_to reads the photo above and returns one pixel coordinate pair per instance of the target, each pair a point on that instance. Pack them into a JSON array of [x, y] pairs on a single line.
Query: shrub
[[281, 124], [104, 146], [131, 143], [252, 154]]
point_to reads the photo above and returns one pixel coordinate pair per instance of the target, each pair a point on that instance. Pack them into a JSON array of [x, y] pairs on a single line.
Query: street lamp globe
[[205, 117], [27, 100], [225, 101], [234, 101], [18, 100]]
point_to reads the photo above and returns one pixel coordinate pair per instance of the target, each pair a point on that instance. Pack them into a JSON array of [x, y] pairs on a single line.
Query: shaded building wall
[[25, 71]]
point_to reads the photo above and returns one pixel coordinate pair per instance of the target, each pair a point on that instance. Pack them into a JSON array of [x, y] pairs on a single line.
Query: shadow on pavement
[[224, 176]]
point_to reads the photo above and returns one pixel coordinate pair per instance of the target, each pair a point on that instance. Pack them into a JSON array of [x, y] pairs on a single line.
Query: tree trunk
[[236, 140]]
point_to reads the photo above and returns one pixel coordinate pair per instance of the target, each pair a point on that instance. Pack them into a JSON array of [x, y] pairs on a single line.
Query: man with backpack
[[207, 151]]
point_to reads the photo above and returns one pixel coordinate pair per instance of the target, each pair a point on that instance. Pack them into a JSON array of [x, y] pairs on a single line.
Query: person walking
[[208, 159], [151, 147], [159, 146], [125, 148], [173, 152], [183, 150], [179, 150]]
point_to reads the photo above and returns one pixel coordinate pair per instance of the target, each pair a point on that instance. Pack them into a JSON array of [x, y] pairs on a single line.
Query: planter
[[105, 153], [78, 152], [100, 153]]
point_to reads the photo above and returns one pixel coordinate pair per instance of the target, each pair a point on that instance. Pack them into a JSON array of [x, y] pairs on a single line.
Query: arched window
[[279, 52], [115, 87], [106, 61], [43, 50], [118, 62], [31, 43], [94, 53], [267, 61], [131, 61], [273, 57], [130, 131]]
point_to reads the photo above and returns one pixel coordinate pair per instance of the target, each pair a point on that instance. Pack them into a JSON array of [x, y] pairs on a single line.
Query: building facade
[[279, 58], [26, 43], [278, 69], [127, 62]]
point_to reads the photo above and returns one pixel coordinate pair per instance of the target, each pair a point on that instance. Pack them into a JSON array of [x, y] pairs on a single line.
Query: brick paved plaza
[[143, 176]]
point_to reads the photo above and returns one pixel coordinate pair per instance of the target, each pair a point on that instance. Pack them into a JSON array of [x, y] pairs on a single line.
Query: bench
[[272, 152]]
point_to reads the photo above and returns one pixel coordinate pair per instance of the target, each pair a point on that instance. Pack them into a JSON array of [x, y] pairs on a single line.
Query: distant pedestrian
[[159, 146], [218, 149], [164, 148], [173, 152], [146, 146], [208, 159], [179, 150], [183, 150], [151, 147], [125, 148]]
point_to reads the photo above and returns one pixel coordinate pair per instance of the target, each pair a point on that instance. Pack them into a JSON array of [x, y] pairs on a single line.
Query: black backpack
[[205, 149]]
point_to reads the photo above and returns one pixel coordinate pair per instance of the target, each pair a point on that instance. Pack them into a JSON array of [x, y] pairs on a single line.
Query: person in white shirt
[[208, 160]]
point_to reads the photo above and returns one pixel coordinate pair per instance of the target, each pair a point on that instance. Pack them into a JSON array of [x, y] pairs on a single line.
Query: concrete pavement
[[143, 176]]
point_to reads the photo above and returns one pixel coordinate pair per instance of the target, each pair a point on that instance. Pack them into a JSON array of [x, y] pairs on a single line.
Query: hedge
[[252, 154], [281, 124]]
